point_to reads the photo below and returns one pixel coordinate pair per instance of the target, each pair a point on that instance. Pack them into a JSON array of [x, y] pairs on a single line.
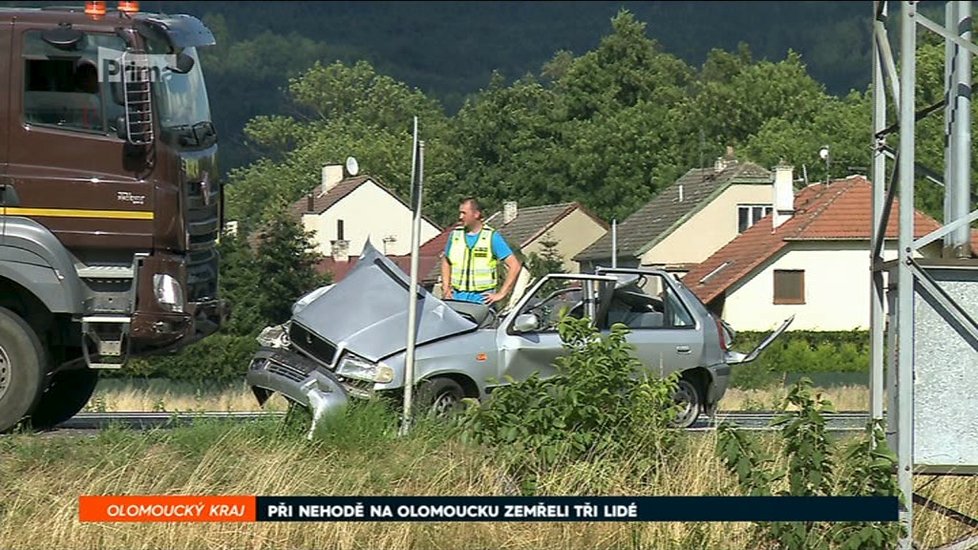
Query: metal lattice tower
[[926, 330]]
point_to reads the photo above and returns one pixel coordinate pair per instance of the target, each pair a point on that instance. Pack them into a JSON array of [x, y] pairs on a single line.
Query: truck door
[[66, 161]]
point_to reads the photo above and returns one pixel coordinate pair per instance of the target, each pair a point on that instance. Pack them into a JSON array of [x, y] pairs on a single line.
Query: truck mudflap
[[736, 357], [299, 379]]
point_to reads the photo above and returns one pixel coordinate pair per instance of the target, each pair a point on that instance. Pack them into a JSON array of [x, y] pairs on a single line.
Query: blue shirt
[[500, 250]]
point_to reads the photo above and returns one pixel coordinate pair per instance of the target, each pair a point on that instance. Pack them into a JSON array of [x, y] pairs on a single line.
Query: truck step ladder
[[106, 272], [109, 336]]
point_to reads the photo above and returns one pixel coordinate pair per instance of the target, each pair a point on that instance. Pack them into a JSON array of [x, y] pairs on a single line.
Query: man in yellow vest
[[468, 270]]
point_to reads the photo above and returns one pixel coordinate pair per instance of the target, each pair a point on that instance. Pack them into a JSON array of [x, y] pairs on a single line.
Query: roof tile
[[841, 210], [652, 221]]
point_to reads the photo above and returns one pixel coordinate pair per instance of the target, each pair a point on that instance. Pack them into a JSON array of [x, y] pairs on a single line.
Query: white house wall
[[709, 229], [573, 233], [368, 211], [836, 288]]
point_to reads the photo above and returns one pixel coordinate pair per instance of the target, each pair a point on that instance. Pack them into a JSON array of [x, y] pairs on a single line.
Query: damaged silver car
[[349, 340]]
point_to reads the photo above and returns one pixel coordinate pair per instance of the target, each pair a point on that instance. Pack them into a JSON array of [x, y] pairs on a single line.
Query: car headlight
[[359, 368], [169, 293], [275, 336]]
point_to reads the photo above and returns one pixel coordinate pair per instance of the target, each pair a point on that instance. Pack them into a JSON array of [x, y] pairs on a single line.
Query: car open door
[[736, 357], [527, 338]]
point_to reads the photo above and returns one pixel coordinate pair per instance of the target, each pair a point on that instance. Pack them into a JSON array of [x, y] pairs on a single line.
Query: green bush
[[593, 405], [217, 358], [801, 352], [814, 465]]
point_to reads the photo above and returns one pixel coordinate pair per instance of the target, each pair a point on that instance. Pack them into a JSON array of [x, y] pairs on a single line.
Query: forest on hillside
[[450, 50]]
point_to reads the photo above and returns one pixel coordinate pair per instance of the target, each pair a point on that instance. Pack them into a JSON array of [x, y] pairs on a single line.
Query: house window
[[749, 214], [339, 230], [789, 286]]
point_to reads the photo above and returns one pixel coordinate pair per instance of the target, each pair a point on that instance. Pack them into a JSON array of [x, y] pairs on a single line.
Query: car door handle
[[682, 349]]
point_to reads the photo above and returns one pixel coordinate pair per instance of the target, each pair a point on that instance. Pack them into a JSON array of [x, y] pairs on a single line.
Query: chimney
[[719, 165], [680, 192], [341, 250], [332, 174], [310, 203], [509, 211], [784, 193]]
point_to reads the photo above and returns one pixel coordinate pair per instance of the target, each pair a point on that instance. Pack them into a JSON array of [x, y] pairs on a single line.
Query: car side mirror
[[526, 322]]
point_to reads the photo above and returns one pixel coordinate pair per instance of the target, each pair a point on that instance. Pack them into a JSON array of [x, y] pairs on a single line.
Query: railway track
[[852, 421]]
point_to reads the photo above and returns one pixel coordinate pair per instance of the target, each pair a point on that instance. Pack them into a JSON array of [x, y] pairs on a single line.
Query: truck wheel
[[21, 369], [689, 400], [441, 397], [67, 393]]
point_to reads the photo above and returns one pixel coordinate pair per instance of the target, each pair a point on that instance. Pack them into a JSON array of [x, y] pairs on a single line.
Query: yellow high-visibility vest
[[473, 269]]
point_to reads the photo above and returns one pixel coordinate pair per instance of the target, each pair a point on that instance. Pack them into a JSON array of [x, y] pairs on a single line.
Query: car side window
[[553, 301], [64, 88], [648, 302]]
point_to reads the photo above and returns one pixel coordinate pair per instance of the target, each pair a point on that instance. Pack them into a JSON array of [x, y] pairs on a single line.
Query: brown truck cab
[[110, 204]]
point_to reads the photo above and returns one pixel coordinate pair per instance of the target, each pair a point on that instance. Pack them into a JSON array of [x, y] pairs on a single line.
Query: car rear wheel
[[689, 400], [440, 397]]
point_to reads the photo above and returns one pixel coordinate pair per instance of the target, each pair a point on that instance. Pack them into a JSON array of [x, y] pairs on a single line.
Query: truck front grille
[[202, 275]]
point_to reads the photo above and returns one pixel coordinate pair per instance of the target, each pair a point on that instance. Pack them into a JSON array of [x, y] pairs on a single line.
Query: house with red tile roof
[[689, 220], [810, 258], [345, 210]]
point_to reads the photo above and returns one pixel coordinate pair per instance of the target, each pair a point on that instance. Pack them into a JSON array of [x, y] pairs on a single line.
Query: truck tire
[[67, 393], [22, 366]]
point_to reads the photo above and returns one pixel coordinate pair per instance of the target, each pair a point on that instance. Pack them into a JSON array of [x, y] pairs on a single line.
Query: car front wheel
[[440, 397]]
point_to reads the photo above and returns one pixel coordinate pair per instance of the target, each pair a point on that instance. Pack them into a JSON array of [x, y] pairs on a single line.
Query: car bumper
[[299, 379], [721, 379]]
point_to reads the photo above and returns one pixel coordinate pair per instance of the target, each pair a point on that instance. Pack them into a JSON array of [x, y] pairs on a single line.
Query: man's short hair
[[472, 202]]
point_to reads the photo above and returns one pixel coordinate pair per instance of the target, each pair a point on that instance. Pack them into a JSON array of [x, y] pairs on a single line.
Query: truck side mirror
[[526, 322], [183, 63]]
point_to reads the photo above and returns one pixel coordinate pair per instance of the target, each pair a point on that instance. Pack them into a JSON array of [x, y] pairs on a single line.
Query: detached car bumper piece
[[299, 379]]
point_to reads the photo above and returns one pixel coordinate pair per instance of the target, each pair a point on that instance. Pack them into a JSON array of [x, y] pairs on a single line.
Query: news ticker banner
[[145, 508]]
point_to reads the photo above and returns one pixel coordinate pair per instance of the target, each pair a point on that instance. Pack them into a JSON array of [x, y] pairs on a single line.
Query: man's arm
[[513, 267], [446, 279]]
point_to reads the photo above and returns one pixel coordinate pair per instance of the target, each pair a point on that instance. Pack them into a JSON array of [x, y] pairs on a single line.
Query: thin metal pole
[[417, 170], [614, 243], [905, 282], [950, 19], [958, 189], [876, 318]]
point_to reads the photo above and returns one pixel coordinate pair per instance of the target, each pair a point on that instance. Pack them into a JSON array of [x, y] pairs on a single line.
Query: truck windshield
[[184, 111]]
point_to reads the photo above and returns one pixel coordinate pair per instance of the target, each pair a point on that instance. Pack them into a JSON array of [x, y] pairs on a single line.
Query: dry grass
[[42, 478], [161, 395], [154, 395], [845, 398]]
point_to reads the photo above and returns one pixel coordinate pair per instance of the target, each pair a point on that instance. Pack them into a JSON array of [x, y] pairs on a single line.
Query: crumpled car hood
[[368, 310]]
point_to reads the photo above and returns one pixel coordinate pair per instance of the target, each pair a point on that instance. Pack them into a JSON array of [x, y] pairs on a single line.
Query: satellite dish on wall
[[352, 166]]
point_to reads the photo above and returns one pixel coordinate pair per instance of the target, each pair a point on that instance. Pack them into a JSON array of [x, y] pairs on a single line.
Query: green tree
[[339, 111], [285, 264]]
